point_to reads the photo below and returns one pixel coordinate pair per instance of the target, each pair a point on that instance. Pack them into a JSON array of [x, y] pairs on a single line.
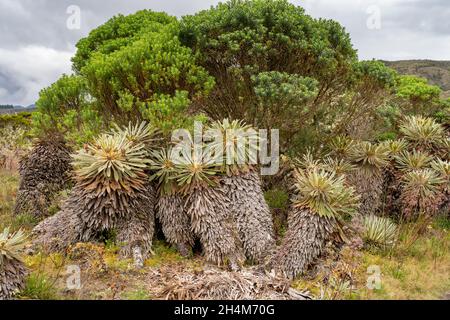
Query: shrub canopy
[[262, 61], [65, 109], [277, 67], [130, 68], [118, 32]]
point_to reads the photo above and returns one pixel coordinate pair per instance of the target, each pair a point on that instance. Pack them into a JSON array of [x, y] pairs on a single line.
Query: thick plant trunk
[[43, 173], [135, 233], [59, 231], [252, 214], [34, 201], [12, 278], [303, 243], [84, 217], [211, 222], [391, 191], [370, 188], [175, 222], [101, 213]]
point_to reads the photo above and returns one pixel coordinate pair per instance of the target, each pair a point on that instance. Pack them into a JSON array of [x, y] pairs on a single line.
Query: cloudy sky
[[38, 37]]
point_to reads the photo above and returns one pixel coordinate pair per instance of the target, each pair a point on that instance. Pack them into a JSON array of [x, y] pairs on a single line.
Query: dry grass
[[421, 272], [416, 269], [8, 190], [213, 283]]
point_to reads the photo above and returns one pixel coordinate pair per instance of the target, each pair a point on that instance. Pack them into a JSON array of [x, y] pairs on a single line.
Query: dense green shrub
[[442, 115], [265, 62], [153, 78], [417, 96], [277, 67], [116, 33], [65, 108], [132, 67]]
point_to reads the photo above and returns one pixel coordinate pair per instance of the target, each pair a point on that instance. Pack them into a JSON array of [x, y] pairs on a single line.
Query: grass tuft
[[39, 287]]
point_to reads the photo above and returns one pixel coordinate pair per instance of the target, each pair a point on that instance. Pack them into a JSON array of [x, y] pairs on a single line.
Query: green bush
[[442, 114], [417, 96], [65, 109], [131, 68], [277, 67], [116, 33], [22, 119], [153, 78]]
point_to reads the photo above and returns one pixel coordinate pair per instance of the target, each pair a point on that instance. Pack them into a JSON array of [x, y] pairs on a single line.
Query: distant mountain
[[7, 106], [10, 109], [437, 72]]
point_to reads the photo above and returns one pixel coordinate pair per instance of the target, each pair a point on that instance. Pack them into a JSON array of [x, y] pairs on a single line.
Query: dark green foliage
[[286, 93], [442, 115], [377, 71], [277, 199], [249, 37], [240, 39], [277, 67]]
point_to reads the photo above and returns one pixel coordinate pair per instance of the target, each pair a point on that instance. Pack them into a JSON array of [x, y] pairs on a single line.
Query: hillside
[[437, 72]]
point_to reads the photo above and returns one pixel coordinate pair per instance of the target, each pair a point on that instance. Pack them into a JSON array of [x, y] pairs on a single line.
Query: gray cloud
[[24, 71], [410, 29], [43, 22], [36, 45]]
